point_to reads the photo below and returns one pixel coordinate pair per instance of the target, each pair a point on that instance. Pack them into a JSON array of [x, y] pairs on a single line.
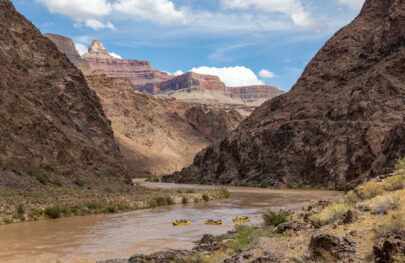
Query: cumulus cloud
[[115, 55], [292, 8], [178, 73], [231, 76], [97, 25], [264, 73], [84, 13], [354, 4], [82, 49], [161, 11]]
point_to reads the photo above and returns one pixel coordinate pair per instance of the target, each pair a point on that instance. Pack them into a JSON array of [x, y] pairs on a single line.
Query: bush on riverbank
[[330, 214], [246, 236], [275, 218]]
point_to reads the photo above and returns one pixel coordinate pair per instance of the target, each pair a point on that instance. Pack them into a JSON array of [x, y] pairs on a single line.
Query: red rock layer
[[138, 71]]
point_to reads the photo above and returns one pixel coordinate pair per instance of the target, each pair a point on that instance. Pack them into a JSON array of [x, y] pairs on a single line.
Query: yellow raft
[[238, 220], [214, 223], [181, 223]]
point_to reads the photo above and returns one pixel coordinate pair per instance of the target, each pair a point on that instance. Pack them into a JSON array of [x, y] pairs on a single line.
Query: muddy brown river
[[100, 237]]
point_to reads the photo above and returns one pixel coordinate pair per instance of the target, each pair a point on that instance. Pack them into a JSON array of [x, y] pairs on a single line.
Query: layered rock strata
[[138, 71], [329, 129]]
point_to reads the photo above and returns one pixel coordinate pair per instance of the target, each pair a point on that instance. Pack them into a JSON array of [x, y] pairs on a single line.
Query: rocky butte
[[341, 122], [138, 71], [50, 120]]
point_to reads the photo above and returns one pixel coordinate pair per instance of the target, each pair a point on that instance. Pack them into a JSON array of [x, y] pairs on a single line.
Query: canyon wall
[[343, 113], [50, 120]]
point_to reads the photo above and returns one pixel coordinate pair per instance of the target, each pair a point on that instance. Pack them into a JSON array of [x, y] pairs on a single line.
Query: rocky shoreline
[[359, 227]]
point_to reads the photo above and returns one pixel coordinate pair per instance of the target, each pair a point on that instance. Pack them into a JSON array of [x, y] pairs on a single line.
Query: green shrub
[[20, 209], [53, 212], [275, 218], [169, 200], [153, 179], [223, 193], [395, 182], [79, 182], [94, 205], [205, 197], [111, 209], [329, 214], [190, 191], [341, 185], [245, 237], [400, 166], [152, 204], [351, 197], [196, 200], [184, 201], [395, 224], [57, 182], [108, 190]]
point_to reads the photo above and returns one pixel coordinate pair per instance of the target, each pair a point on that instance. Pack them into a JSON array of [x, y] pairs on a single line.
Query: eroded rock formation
[[138, 71], [67, 47], [49, 118], [330, 127]]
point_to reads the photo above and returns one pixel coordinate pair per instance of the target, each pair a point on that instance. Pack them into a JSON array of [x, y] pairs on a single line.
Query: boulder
[[387, 246]]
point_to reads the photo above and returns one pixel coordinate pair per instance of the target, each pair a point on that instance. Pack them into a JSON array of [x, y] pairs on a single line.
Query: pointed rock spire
[[98, 48]]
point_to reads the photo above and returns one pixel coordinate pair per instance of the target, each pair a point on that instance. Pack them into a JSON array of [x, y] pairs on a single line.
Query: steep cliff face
[[254, 95], [67, 47], [138, 71], [49, 118], [157, 135], [331, 126]]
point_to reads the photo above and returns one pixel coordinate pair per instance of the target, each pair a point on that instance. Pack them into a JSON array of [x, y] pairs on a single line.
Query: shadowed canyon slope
[[330, 127], [49, 118], [156, 134]]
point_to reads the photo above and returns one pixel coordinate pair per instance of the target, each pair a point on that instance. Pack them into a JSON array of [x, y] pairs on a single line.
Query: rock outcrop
[[67, 47], [254, 95], [49, 118], [138, 71], [331, 126]]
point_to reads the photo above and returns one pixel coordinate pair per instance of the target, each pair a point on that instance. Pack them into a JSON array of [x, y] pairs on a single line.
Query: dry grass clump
[[383, 203], [395, 182], [395, 224], [330, 214], [370, 190]]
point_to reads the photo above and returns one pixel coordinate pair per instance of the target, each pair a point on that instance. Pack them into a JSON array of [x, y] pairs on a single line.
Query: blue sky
[[243, 41]]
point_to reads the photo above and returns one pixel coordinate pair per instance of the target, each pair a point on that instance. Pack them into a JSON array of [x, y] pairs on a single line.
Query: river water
[[92, 238]]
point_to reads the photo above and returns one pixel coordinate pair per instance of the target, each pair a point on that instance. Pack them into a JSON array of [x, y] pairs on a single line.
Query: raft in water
[[185, 223], [217, 222], [241, 220]]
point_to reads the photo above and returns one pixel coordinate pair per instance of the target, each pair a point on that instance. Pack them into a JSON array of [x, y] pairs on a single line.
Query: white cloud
[[82, 49], [160, 11], [292, 8], [231, 76], [78, 9], [264, 73], [178, 73], [84, 13], [354, 4], [115, 55], [97, 25]]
